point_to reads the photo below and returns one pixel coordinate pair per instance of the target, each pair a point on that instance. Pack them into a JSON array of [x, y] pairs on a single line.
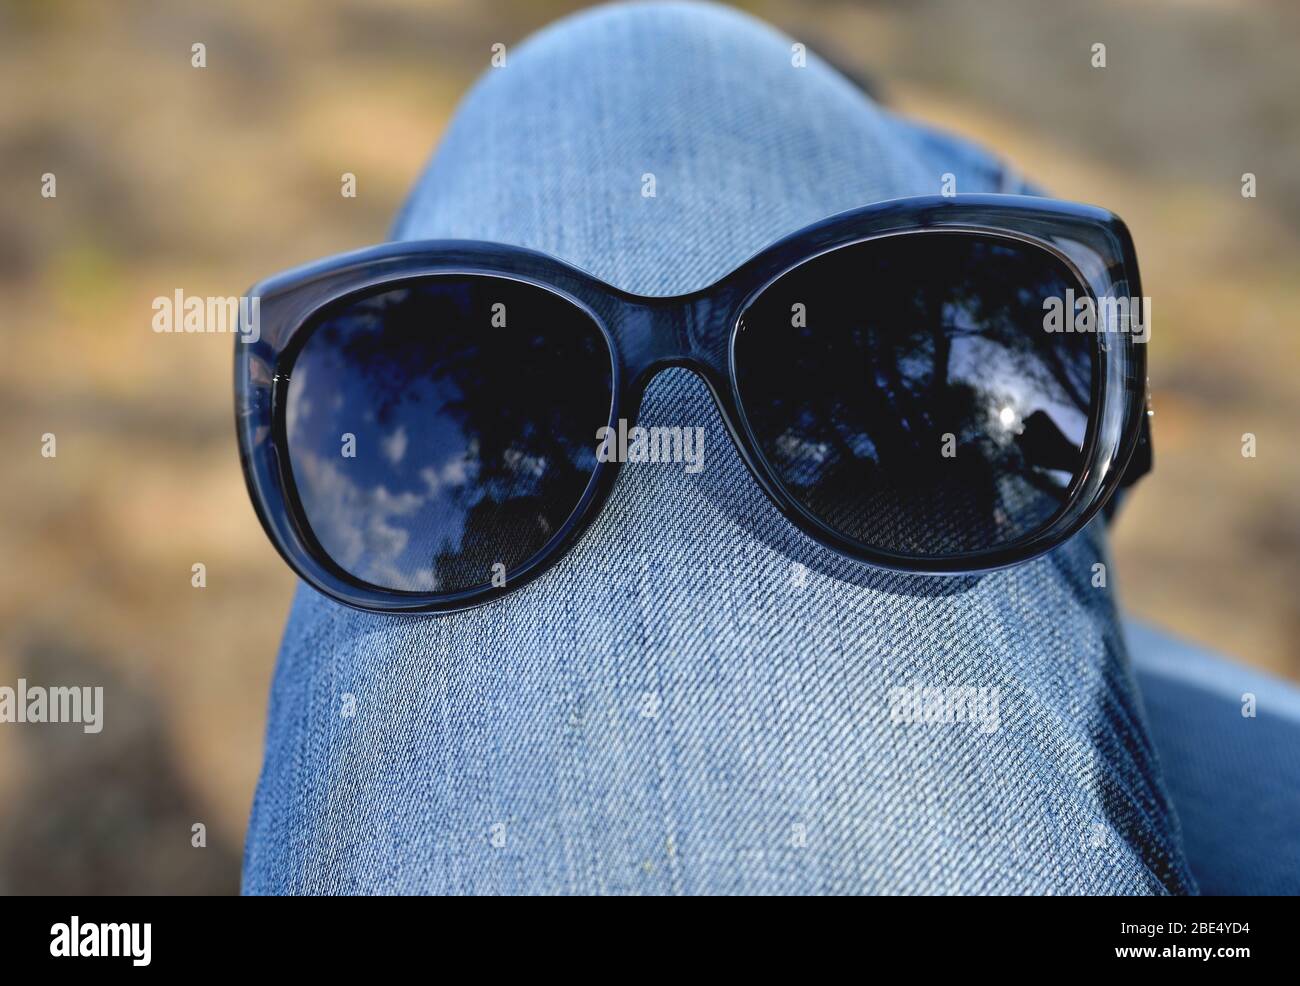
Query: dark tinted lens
[[472, 404], [906, 392]]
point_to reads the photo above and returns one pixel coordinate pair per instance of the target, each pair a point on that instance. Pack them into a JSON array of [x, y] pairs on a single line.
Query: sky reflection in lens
[[474, 441]]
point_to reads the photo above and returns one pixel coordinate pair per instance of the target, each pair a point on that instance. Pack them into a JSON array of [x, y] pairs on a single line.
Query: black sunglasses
[[934, 385]]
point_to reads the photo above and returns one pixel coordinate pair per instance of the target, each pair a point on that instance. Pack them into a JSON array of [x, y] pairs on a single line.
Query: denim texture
[[1229, 738], [696, 699]]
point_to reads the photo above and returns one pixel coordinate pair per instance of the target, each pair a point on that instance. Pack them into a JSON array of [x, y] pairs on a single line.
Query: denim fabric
[[696, 699], [1229, 738]]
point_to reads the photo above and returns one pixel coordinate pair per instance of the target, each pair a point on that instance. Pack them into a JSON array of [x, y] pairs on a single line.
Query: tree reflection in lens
[[921, 407]]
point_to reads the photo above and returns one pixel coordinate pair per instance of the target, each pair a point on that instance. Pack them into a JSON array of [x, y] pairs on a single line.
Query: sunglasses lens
[[443, 430], [906, 392]]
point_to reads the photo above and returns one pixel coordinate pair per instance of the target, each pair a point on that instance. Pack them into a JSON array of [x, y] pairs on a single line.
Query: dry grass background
[[169, 176]]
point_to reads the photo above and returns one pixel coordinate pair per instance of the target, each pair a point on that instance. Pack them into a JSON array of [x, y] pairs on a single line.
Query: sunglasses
[[932, 385]]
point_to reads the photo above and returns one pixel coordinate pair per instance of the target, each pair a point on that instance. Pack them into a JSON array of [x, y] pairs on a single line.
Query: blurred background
[[170, 176]]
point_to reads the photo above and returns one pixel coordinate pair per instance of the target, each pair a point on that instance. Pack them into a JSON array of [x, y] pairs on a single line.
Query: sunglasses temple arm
[[1143, 457]]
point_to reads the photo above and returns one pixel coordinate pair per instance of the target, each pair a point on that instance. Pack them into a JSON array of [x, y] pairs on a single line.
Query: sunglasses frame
[[696, 331]]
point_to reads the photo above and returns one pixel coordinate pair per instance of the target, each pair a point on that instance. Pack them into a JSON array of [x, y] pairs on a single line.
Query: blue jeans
[[698, 698]]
